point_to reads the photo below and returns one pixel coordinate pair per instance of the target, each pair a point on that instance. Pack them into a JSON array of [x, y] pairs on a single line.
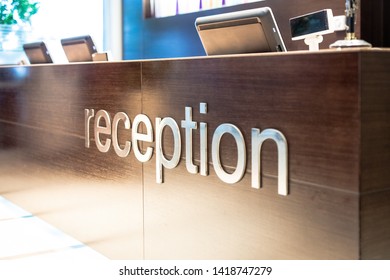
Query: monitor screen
[[37, 53], [79, 49], [313, 24], [248, 31]]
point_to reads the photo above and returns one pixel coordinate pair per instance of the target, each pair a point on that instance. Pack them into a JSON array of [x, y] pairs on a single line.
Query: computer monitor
[[79, 49], [248, 31], [37, 53]]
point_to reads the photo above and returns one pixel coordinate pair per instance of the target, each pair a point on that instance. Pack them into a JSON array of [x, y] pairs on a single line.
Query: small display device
[[312, 24], [79, 49], [37, 53], [248, 31]]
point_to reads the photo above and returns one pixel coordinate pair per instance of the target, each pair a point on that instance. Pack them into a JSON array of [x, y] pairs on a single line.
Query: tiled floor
[[24, 236]]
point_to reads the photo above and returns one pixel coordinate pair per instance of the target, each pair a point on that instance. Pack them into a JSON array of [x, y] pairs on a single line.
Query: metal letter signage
[[106, 135], [241, 152]]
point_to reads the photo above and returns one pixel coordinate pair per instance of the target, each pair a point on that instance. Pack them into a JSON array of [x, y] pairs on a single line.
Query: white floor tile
[[24, 236]]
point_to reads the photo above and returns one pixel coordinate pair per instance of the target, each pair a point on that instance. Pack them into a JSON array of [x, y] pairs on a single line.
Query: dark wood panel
[[316, 108], [208, 219], [375, 121], [375, 225], [101, 208], [58, 101], [332, 107], [44, 165], [375, 156]]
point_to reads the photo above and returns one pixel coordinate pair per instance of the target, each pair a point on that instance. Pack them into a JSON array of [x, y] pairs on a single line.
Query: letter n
[[281, 143]]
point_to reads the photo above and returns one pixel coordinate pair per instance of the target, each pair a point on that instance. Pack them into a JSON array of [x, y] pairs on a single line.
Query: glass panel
[[58, 19], [165, 8]]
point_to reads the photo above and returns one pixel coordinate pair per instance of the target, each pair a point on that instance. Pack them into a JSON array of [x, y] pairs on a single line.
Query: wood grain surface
[[332, 107]]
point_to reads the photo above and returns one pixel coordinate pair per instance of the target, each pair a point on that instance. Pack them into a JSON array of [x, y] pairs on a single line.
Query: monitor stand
[[314, 42]]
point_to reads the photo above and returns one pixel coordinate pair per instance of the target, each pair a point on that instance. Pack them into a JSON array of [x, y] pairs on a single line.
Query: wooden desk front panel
[[303, 96], [375, 156], [313, 99], [45, 167], [314, 106]]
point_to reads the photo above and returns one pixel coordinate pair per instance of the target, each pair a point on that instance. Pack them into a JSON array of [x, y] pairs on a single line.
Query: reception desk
[[268, 156]]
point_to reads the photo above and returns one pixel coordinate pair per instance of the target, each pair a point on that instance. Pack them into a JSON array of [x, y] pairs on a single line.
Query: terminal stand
[[314, 42]]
